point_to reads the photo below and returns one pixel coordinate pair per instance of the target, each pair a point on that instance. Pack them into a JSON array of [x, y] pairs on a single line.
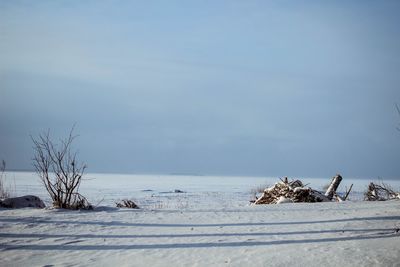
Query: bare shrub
[[59, 171]]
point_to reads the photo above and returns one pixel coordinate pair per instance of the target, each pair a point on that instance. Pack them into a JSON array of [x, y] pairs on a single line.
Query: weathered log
[[347, 192], [330, 192]]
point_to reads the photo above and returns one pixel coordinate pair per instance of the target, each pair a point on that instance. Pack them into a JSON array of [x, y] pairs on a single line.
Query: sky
[[257, 88]]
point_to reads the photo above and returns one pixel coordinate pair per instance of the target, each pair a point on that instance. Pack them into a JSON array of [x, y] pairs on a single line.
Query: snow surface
[[211, 224]]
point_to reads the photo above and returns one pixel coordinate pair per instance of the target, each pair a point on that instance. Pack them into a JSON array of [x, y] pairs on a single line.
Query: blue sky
[[271, 88]]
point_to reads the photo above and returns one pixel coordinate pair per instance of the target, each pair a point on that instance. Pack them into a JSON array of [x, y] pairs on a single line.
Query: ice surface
[[158, 191]]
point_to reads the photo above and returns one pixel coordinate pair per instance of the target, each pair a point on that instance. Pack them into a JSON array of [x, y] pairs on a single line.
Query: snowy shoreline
[[211, 224], [157, 191]]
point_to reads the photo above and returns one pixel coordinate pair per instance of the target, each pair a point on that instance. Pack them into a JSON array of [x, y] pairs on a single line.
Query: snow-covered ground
[[210, 224]]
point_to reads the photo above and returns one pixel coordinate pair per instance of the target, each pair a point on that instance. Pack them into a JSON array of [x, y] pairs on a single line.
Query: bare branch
[[348, 192]]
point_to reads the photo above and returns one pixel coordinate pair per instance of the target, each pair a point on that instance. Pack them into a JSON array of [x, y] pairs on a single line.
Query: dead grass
[[5, 190]]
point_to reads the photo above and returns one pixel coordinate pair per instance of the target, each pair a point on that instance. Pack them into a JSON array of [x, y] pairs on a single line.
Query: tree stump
[[330, 192]]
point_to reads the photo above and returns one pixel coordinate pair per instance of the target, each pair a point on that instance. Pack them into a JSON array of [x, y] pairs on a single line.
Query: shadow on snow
[[254, 234], [66, 247], [39, 220]]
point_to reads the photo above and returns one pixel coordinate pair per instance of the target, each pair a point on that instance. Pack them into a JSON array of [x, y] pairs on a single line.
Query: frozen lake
[[158, 191]]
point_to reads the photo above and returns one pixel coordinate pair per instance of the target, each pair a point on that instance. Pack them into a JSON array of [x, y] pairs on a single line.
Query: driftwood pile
[[126, 203], [295, 191], [382, 192]]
